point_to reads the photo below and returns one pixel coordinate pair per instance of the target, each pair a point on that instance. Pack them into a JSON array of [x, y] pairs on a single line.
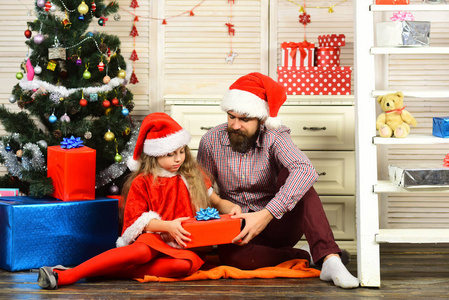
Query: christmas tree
[[72, 84]]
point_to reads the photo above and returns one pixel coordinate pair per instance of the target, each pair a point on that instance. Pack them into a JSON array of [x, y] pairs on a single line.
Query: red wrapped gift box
[[9, 192], [392, 2], [332, 40], [212, 232], [297, 54], [316, 80], [72, 172], [327, 57]]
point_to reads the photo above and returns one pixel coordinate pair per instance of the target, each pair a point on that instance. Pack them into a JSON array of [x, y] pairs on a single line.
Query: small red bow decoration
[[398, 110]]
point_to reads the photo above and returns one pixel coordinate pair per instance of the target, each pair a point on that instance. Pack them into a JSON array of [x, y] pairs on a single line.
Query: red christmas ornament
[[231, 30], [93, 7], [134, 4], [101, 66], [134, 31], [27, 33], [83, 102], [47, 6], [106, 103], [191, 13], [304, 18], [133, 78], [115, 101], [136, 19], [164, 22], [134, 56]]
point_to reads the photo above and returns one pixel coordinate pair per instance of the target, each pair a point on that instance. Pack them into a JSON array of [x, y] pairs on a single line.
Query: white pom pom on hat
[[256, 96], [159, 135]]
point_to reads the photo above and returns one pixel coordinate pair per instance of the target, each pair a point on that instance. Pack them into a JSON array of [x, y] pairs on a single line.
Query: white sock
[[333, 269], [307, 248]]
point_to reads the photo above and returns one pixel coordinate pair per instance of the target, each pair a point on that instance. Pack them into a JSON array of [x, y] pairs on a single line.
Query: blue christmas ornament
[[72, 142], [81, 17], [8, 148], [90, 34], [207, 214], [52, 118], [125, 112]]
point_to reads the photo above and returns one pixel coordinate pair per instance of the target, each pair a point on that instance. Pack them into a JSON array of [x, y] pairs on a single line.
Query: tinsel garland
[[117, 169], [36, 84], [37, 161], [12, 165]]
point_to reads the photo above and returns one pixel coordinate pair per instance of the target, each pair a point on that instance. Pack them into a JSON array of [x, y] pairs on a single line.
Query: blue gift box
[[47, 232], [440, 127]]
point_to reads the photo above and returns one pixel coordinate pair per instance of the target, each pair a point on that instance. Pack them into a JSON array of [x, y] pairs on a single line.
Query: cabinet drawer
[[336, 170], [320, 127], [340, 211], [197, 119]]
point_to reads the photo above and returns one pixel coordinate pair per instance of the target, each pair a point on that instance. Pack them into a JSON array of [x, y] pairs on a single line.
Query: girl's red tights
[[135, 260]]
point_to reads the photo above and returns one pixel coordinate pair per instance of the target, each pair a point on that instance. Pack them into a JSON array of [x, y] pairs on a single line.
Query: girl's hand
[[235, 210], [179, 234]]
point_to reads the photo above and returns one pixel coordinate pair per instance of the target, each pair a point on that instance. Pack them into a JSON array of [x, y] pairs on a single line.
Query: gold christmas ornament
[[108, 111], [83, 8], [51, 65], [106, 79], [109, 136], [19, 153], [121, 74]]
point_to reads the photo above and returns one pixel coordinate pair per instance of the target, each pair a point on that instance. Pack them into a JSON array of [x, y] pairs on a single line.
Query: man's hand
[[255, 222]]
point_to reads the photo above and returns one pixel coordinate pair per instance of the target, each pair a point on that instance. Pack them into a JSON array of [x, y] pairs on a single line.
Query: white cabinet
[[321, 126], [369, 234]]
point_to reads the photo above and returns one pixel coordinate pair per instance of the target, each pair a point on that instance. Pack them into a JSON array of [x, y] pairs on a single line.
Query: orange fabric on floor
[[295, 268]]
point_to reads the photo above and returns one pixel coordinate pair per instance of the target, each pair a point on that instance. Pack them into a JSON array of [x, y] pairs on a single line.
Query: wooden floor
[[407, 272]]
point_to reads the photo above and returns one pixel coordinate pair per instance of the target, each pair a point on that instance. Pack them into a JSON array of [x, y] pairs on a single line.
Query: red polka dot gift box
[[327, 57], [315, 80], [332, 40]]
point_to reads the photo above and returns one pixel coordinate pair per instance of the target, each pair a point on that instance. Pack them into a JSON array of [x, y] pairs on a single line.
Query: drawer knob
[[322, 174], [314, 128], [206, 128]]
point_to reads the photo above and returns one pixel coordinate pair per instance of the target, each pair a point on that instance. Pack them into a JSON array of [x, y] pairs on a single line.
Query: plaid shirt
[[249, 179]]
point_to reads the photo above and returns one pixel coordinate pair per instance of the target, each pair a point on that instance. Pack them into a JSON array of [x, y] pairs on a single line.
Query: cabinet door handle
[[206, 128], [322, 174], [314, 128]]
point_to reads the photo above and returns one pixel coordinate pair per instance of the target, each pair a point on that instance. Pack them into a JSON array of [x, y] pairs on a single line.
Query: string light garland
[[330, 8]]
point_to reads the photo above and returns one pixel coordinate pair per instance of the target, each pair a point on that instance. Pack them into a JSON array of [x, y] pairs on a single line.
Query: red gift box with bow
[[297, 54], [72, 172], [212, 232]]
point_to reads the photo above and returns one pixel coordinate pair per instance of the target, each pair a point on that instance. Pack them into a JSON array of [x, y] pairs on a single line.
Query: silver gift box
[[419, 176], [403, 33], [57, 53]]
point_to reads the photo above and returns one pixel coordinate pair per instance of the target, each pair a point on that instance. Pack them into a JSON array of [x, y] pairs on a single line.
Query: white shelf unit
[[369, 235]]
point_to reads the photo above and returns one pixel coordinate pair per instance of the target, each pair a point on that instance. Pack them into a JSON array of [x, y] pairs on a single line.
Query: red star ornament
[[304, 18]]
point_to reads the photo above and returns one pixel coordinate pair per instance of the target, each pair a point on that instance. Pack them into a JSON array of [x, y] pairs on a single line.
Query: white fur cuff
[[136, 229]]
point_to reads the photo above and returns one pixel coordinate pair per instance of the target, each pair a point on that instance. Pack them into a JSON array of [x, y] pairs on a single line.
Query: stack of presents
[[309, 70], [73, 225], [69, 227]]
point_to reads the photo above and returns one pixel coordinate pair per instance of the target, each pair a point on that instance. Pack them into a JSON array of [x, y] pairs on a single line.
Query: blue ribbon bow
[[72, 142], [207, 214]]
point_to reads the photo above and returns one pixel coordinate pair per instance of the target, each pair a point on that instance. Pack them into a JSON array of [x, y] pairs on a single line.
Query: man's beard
[[240, 142]]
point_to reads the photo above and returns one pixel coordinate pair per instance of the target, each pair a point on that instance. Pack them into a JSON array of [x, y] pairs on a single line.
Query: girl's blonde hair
[[191, 171]]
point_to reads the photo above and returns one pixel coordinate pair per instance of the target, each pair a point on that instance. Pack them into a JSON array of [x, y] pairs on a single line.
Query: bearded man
[[245, 157]]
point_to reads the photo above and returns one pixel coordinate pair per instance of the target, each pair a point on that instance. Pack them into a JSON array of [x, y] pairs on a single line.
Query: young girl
[[166, 188]]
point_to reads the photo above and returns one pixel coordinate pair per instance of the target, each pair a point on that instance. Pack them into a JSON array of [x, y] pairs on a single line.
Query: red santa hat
[[159, 135], [256, 96]]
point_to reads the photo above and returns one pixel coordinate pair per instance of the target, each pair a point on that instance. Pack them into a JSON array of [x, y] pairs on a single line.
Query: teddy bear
[[394, 121]]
